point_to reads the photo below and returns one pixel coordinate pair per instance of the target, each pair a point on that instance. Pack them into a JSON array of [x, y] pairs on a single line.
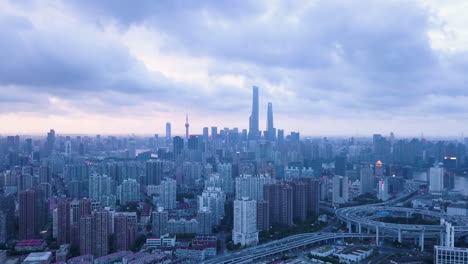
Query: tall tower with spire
[[186, 127], [253, 120], [271, 131]]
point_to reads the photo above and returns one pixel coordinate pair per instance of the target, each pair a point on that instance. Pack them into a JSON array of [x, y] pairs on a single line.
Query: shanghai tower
[[271, 131], [253, 120]]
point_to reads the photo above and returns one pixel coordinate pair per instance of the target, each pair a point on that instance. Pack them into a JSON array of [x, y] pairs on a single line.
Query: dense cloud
[[337, 59]]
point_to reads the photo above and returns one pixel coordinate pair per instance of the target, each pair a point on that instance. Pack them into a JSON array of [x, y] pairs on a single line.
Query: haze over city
[[376, 67]]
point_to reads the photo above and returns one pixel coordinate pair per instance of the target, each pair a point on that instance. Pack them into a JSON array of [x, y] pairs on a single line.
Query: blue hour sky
[[329, 67]]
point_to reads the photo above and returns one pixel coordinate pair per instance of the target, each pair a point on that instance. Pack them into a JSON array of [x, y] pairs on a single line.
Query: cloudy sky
[[330, 67]]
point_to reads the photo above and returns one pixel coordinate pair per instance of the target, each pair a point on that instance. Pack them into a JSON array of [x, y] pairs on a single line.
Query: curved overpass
[[364, 216]]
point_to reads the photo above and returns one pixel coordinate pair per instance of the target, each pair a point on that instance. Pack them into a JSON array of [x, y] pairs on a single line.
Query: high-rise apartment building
[[214, 132], [100, 185], [251, 186], [85, 207], [313, 195], [225, 171], [383, 193], [178, 145], [263, 216], [94, 233], [63, 221], [436, 180], [205, 134], [124, 232], [245, 222], [68, 148], [204, 221], [86, 235], [160, 218], [340, 190], [214, 199], [300, 197], [167, 195], [3, 228], [367, 180], [154, 172], [340, 165], [28, 227], [101, 227], [280, 199], [191, 172], [130, 191], [8, 207], [131, 149], [50, 142]]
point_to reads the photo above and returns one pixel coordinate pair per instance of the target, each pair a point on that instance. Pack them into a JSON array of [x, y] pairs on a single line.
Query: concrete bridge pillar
[[350, 227], [377, 235], [421, 240], [399, 235], [442, 238], [359, 228]]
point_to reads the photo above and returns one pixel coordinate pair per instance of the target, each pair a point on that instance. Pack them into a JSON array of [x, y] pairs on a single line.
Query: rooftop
[[31, 242], [38, 256]]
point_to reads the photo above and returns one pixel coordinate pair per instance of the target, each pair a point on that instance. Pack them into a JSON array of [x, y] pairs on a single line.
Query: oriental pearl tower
[[186, 127]]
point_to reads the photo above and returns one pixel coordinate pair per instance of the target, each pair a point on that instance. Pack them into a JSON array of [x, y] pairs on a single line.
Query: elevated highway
[[281, 246], [366, 217]]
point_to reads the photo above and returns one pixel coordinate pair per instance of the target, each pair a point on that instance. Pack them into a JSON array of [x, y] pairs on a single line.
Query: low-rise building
[[128, 258], [421, 203], [324, 251], [323, 218], [196, 254], [3, 256], [111, 258], [206, 242], [38, 258], [62, 253], [354, 254], [31, 245], [408, 260], [164, 241], [80, 259], [158, 257]]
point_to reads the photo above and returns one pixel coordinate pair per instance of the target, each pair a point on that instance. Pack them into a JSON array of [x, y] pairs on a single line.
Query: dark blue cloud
[[390, 36], [62, 61], [353, 56], [167, 13]]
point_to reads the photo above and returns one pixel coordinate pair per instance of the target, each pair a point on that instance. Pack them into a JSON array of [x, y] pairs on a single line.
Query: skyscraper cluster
[[105, 194]]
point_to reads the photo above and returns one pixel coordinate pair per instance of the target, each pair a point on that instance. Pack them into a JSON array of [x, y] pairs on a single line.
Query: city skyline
[[135, 70], [254, 132]]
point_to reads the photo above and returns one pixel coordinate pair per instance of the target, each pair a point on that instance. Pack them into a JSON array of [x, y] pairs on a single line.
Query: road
[[281, 246]]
